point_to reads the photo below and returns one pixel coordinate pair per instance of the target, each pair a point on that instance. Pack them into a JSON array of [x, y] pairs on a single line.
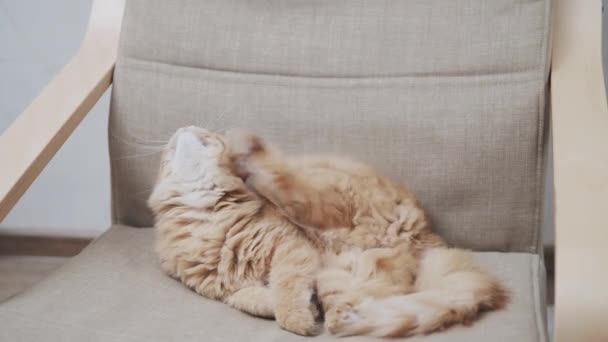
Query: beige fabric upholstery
[[447, 96], [114, 291]]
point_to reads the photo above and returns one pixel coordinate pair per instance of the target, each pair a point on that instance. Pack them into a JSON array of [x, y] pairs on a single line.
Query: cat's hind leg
[[254, 300], [292, 280], [353, 277]]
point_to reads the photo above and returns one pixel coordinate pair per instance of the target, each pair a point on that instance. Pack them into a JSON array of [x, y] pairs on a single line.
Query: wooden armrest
[[580, 140], [36, 135]]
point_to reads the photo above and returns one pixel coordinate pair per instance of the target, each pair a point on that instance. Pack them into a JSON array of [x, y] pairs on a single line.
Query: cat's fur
[[378, 267]]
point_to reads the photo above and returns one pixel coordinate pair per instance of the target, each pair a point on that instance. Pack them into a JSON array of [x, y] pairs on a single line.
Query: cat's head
[[194, 154], [196, 163]]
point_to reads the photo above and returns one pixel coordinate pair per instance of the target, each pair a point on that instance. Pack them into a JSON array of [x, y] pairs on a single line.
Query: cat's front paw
[[299, 321], [244, 145], [243, 142]]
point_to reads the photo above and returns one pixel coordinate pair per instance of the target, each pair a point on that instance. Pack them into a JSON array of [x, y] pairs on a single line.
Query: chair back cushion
[[446, 96]]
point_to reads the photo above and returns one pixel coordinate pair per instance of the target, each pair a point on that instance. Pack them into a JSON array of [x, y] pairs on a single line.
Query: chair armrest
[[580, 140], [36, 135]]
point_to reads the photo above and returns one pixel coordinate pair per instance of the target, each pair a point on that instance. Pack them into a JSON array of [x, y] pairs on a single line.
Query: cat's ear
[[186, 149]]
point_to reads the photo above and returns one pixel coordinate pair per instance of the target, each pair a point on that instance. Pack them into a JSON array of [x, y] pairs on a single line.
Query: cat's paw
[[299, 321], [339, 317], [244, 145], [243, 142]]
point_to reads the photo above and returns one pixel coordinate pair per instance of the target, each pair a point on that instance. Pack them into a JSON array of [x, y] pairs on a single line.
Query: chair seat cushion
[[115, 291]]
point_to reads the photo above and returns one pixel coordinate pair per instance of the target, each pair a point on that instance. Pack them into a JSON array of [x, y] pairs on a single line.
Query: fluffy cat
[[361, 239]]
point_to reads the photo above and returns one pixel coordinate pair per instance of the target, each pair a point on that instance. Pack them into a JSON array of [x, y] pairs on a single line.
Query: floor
[[21, 272]]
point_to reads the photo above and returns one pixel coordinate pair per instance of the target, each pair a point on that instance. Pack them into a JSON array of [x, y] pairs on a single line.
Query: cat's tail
[[450, 289]]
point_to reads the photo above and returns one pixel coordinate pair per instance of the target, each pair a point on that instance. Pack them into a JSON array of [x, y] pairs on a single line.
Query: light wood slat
[[36, 135], [580, 141]]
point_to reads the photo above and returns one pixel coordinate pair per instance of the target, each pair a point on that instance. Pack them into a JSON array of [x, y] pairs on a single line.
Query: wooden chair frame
[[580, 152]]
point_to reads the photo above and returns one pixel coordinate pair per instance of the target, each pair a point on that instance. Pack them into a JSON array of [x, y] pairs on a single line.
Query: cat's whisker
[[150, 149], [142, 144], [147, 154], [156, 147], [224, 129], [146, 192], [202, 122], [216, 120], [164, 142]]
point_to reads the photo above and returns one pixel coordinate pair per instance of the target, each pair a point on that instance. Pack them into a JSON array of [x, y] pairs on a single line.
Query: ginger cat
[[307, 223]]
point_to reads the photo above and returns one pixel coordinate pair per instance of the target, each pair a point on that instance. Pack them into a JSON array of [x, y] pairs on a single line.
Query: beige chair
[[449, 96]]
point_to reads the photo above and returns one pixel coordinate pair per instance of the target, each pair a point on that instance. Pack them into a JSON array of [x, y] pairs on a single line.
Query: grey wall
[[72, 194]]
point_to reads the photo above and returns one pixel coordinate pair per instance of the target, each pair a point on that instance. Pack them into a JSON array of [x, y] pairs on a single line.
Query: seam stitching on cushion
[[537, 302], [113, 173], [278, 80], [114, 198], [540, 158], [279, 74], [114, 205]]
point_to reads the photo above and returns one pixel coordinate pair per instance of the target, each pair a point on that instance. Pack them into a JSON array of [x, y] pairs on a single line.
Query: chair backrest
[[446, 96]]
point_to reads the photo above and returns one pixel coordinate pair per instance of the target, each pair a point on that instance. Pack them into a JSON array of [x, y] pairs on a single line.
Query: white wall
[[38, 37], [72, 194]]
